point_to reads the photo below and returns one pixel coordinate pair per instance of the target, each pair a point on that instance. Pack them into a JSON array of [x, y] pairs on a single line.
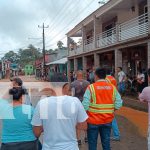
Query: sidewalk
[[135, 103], [24, 78]]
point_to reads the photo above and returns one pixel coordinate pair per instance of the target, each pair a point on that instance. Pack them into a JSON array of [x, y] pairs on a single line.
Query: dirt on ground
[[130, 137]]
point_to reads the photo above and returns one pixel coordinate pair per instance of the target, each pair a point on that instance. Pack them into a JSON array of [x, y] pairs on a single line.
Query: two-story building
[[115, 35], [6, 69]]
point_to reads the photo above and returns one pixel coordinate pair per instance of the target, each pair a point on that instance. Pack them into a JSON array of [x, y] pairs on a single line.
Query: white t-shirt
[[59, 117], [121, 75]]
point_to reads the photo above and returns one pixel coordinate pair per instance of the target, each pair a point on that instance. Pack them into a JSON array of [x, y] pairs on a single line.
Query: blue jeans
[[92, 133], [121, 87], [115, 129]]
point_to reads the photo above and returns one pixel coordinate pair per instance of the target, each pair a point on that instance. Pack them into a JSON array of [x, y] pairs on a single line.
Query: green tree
[[11, 56], [29, 55], [60, 44], [49, 51]]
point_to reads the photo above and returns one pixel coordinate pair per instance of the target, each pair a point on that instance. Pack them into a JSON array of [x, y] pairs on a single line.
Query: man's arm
[[82, 125], [118, 100], [37, 122], [37, 130], [81, 117], [86, 99]]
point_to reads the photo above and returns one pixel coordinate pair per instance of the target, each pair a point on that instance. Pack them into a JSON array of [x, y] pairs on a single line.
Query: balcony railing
[[71, 52], [134, 28], [89, 44], [107, 38], [128, 30], [78, 50]]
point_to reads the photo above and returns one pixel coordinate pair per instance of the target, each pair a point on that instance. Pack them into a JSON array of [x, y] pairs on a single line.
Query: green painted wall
[[29, 70], [80, 65], [71, 65]]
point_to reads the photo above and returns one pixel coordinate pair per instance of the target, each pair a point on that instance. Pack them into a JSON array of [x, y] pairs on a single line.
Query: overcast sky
[[19, 20]]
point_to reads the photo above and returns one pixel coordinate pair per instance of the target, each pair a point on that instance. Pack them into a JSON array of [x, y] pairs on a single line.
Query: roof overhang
[[57, 62], [100, 11]]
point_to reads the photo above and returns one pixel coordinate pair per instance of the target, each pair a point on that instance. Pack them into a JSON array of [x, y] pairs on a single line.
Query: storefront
[[134, 59], [72, 65], [79, 64], [107, 60], [90, 62]]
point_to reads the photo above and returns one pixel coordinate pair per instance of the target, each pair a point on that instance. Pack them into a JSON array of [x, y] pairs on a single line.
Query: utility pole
[[44, 66]]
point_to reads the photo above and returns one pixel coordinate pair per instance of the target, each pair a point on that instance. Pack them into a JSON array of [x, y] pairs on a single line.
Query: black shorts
[[32, 145]]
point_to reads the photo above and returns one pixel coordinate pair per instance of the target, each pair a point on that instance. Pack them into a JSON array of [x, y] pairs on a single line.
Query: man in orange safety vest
[[100, 101]]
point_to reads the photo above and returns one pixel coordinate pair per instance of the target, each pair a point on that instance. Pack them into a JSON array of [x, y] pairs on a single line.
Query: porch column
[[96, 30], [68, 70], [83, 36], [75, 64], [118, 58], [148, 6], [148, 54], [84, 61], [68, 45], [96, 60]]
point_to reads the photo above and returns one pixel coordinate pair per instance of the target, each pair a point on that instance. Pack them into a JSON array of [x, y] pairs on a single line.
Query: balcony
[[126, 31], [134, 28], [89, 44], [76, 51], [107, 38]]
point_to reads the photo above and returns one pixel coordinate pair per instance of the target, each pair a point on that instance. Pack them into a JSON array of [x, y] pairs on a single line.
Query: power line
[[59, 12], [37, 42], [55, 42], [61, 21], [62, 18], [89, 4], [73, 19]]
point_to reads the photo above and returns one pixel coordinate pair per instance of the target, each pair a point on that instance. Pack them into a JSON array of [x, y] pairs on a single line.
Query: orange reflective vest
[[101, 108], [111, 80]]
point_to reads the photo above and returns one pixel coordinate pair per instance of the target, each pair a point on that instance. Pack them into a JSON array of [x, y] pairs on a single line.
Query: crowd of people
[[86, 106]]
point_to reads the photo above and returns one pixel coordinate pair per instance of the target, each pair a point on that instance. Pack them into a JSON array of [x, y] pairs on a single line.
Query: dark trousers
[[32, 145], [94, 130]]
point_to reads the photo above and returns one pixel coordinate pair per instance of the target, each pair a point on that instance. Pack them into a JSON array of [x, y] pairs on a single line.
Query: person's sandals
[[115, 138], [79, 142], [85, 140]]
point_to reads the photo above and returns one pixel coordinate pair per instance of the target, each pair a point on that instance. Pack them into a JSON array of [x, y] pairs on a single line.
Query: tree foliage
[[29, 55], [11, 56], [24, 56], [49, 51], [60, 44]]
